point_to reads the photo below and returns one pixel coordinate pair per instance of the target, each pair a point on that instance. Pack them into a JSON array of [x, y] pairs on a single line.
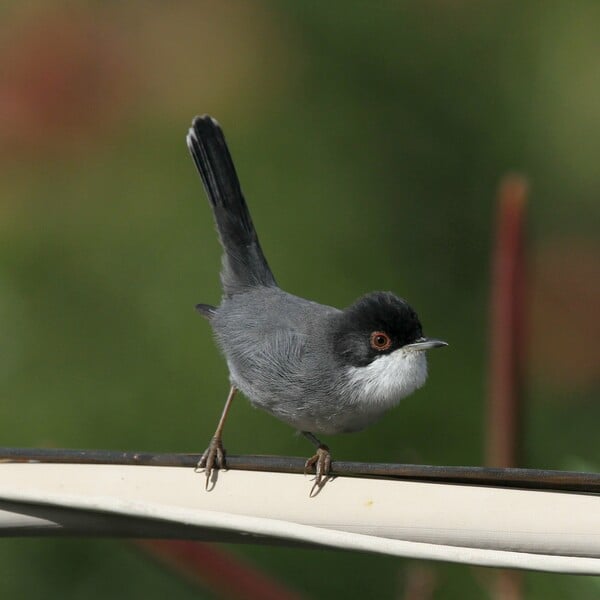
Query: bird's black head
[[376, 324]]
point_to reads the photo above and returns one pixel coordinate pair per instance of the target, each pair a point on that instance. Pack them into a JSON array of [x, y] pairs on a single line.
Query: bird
[[320, 369]]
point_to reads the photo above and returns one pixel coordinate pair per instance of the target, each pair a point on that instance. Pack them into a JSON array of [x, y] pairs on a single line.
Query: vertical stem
[[507, 326], [507, 343]]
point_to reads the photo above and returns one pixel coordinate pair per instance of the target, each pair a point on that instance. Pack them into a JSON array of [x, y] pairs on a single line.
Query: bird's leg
[[214, 455], [321, 460]]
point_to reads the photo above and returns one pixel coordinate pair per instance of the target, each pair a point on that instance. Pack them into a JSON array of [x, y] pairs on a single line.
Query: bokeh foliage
[[369, 141]]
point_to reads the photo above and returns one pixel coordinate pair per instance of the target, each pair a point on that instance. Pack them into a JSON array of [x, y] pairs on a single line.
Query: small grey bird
[[320, 369]]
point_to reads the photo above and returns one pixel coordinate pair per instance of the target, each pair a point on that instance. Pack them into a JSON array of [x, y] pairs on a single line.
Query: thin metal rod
[[536, 479]]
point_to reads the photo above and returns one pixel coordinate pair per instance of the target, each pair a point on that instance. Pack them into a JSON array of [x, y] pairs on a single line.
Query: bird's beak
[[425, 344]]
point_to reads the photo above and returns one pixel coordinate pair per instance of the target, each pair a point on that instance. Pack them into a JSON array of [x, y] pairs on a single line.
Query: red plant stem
[[214, 569], [507, 342], [507, 338]]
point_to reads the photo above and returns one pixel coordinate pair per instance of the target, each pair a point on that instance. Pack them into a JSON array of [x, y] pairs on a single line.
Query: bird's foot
[[213, 458], [322, 463]]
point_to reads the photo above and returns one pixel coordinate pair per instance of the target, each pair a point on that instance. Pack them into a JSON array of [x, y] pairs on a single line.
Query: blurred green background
[[370, 140]]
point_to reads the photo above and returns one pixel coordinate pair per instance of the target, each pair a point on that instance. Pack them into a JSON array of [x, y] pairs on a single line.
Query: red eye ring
[[380, 341]]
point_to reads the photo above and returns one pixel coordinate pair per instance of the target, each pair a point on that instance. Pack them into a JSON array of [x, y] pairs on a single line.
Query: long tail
[[244, 264]]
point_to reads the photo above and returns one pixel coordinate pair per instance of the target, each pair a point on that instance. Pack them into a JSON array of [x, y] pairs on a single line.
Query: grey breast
[[276, 346]]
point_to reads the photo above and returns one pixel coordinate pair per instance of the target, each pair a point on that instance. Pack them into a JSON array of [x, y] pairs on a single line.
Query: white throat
[[389, 378]]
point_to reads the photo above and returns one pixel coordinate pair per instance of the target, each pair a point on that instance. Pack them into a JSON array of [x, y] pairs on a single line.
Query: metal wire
[[536, 479]]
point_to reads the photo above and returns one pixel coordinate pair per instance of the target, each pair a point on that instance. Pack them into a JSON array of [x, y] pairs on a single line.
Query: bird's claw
[[322, 463], [213, 458]]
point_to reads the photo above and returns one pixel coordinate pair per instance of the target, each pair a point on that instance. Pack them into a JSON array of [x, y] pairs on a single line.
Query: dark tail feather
[[244, 264]]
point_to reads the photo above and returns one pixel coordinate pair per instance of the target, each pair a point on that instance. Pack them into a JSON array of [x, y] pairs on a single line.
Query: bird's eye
[[380, 341]]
